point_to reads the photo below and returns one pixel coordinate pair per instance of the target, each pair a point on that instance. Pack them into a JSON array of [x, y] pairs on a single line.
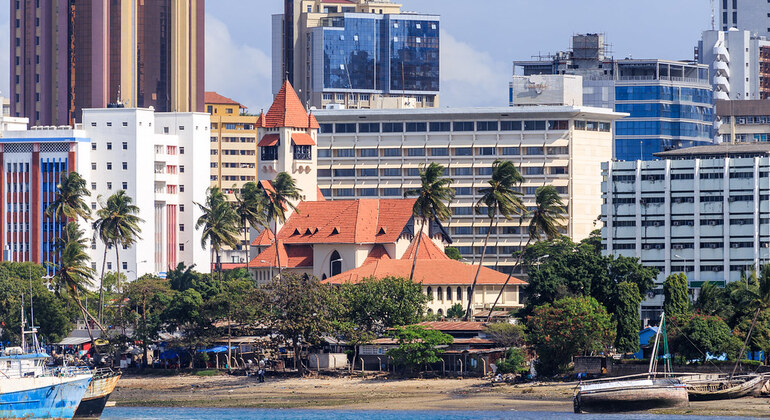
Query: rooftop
[[718, 151], [287, 111], [748, 107], [214, 98], [546, 111]]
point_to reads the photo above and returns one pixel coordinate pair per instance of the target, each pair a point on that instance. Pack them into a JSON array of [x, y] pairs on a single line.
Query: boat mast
[[654, 355]]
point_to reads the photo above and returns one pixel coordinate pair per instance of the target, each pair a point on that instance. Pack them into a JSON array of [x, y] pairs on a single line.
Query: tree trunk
[[85, 317], [478, 270], [277, 254], [297, 361], [745, 342], [117, 268], [144, 327], [516, 264], [248, 249], [120, 289], [101, 285], [417, 249]]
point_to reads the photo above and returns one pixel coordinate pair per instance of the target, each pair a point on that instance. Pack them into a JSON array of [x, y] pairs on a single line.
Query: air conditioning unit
[[731, 199], [715, 269], [712, 223], [678, 246], [734, 245], [656, 223]]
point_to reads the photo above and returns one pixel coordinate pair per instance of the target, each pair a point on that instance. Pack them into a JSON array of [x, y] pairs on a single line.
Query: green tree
[[506, 334], [68, 204], [433, 191], [453, 253], [116, 224], [455, 311], [712, 300], [702, 334], [759, 298], [375, 305], [760, 334], [149, 295], [301, 310], [676, 300], [548, 218], [251, 208], [513, 361], [569, 327], [279, 195], [219, 223], [500, 198], [417, 346], [627, 317]]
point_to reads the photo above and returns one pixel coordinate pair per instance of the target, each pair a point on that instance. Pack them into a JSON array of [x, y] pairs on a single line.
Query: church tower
[[287, 143]]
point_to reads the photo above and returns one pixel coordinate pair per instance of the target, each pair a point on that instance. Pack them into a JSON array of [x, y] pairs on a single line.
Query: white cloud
[[470, 77], [5, 77], [236, 70]]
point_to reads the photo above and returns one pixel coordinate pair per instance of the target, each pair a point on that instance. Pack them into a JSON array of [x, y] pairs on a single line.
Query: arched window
[[429, 292], [335, 264], [440, 293], [448, 293], [430, 311], [459, 293], [440, 312]]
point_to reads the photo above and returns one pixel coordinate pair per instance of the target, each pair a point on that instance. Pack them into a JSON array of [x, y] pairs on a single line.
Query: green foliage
[[548, 215], [433, 192], [513, 362], [569, 327], [375, 305], [453, 253], [760, 334], [627, 317], [455, 311], [148, 296], [69, 203], [713, 300], [505, 334], [697, 335], [676, 300], [218, 221], [417, 346]]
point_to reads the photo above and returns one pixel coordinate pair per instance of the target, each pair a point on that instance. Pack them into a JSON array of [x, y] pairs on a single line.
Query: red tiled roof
[[287, 111], [428, 272], [229, 266], [428, 250], [378, 252], [302, 139], [267, 185], [269, 140], [217, 99], [292, 256], [454, 325], [265, 238], [347, 221]]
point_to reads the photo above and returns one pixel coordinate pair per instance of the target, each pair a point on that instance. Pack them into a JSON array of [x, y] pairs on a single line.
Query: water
[[146, 413]]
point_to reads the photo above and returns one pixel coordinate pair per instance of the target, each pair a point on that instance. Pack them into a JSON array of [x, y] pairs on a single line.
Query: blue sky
[[480, 39]]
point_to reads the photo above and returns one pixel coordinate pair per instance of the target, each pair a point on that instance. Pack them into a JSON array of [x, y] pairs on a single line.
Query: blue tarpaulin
[[170, 354], [217, 349]]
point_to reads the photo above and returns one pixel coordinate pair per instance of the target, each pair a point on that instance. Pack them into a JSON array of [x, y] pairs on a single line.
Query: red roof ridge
[[217, 99], [287, 111]]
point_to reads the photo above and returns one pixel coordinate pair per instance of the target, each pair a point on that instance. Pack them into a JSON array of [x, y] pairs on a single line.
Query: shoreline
[[353, 393]]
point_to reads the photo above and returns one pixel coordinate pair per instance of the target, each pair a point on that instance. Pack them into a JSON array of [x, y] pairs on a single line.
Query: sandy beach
[[376, 394]]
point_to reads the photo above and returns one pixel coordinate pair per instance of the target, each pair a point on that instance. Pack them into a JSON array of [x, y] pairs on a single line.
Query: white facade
[[750, 15], [378, 153], [153, 157], [733, 56]]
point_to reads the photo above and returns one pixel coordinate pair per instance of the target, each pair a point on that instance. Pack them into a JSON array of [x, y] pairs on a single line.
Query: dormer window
[[302, 152], [269, 153]]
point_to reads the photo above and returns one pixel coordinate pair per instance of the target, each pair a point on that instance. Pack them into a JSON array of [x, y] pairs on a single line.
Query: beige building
[[378, 153], [743, 121]]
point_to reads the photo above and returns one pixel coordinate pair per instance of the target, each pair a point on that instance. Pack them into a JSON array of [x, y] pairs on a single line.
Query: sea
[[148, 413]]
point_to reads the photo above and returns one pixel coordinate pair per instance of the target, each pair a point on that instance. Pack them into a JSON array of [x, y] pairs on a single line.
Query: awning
[[73, 341], [302, 139], [269, 140]]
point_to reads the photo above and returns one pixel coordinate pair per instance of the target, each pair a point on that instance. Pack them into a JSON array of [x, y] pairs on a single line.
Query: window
[[109, 146], [345, 152], [487, 170], [534, 125], [181, 168], [439, 151], [416, 127], [124, 186], [327, 128], [439, 126], [181, 150], [93, 166], [391, 192], [181, 227], [391, 172], [462, 126], [125, 265], [367, 172], [367, 152], [369, 127], [345, 172], [335, 264], [464, 151], [463, 191], [534, 151], [510, 151], [462, 171], [125, 124], [486, 125], [392, 127], [345, 128], [325, 173], [181, 188], [269, 153], [412, 172], [558, 125], [109, 185], [415, 151], [391, 152], [344, 192], [93, 146], [534, 170], [367, 192], [181, 247], [487, 151], [93, 205], [93, 185], [302, 152], [125, 145], [324, 153], [181, 207], [109, 166], [109, 265]]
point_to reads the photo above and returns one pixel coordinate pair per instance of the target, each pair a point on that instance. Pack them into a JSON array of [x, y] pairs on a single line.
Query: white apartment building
[[738, 63], [378, 153], [703, 211], [150, 155]]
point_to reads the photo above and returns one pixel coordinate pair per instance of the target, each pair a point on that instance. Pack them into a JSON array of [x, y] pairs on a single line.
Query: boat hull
[[722, 389], [95, 398], [631, 399], [42, 397]]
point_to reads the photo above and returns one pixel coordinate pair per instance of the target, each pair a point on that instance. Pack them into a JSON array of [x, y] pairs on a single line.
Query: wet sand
[[376, 394]]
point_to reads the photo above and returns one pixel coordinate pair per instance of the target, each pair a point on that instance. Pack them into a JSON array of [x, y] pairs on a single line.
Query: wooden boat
[[635, 392], [723, 388], [99, 390]]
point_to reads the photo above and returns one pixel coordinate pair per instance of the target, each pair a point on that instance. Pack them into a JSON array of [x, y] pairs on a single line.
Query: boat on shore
[[723, 387], [99, 390]]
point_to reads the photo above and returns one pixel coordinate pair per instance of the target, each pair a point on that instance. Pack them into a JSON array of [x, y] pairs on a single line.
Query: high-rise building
[[356, 54], [739, 61], [750, 15], [66, 56], [378, 153], [669, 102], [149, 155]]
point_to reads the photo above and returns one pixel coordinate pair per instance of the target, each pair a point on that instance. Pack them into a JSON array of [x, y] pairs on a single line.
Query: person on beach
[[261, 371]]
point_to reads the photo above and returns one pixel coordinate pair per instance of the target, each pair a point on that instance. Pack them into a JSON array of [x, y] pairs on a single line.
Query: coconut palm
[[68, 204], [117, 224], [547, 218], [760, 299], [219, 222], [502, 198], [282, 189], [250, 205], [433, 191]]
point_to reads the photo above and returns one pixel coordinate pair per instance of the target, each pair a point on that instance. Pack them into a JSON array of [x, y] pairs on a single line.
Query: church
[[348, 240]]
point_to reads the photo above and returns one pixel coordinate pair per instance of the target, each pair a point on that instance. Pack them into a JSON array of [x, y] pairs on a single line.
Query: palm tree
[[547, 218], [502, 198], [761, 300], [284, 188], [434, 190], [69, 204], [117, 224], [219, 222], [73, 271], [250, 205]]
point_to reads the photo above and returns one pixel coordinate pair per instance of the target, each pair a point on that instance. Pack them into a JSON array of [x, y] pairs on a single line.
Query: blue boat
[[30, 390]]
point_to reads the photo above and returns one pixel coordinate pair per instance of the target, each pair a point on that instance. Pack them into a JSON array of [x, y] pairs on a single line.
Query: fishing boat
[[722, 387], [99, 391], [635, 392]]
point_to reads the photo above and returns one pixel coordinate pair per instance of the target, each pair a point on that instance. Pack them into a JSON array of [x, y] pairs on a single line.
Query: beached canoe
[[723, 388], [630, 395]]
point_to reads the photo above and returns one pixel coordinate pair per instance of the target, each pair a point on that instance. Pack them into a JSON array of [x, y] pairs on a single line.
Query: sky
[[478, 44]]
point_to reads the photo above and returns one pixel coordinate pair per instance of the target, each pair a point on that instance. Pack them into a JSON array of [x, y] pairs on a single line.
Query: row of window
[[398, 172], [678, 200], [234, 139], [468, 230], [108, 145], [231, 126], [460, 126], [685, 176], [234, 152], [687, 245], [703, 222], [445, 151]]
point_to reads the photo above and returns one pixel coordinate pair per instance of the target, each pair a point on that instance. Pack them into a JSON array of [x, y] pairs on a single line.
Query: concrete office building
[[749, 15], [66, 56], [669, 102], [739, 61], [743, 121], [111, 149], [356, 54], [703, 211], [378, 153]]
